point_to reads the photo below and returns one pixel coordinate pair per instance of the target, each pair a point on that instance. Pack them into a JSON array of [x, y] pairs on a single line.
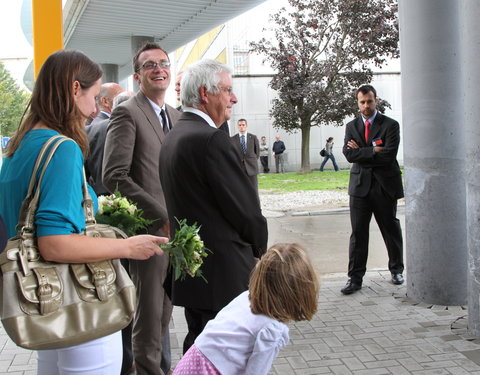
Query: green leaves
[[13, 101], [322, 51], [118, 211], [186, 251]]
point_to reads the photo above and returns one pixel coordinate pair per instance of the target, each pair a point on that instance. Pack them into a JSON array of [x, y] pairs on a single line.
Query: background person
[[278, 149], [248, 149], [329, 155], [61, 101], [371, 144], [134, 141], [205, 183], [247, 334], [104, 100], [264, 154], [97, 134]]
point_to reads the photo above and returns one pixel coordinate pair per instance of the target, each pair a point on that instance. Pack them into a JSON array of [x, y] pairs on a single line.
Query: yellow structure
[[202, 44], [47, 30]]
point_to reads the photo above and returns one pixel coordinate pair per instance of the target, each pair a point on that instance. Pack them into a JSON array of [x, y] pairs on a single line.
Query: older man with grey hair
[[204, 182]]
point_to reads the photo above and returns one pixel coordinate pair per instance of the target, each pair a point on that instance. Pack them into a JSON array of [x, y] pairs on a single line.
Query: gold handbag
[[49, 305]]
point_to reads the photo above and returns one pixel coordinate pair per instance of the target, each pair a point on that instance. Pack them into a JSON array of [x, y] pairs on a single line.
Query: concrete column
[[136, 42], [470, 13], [110, 73], [433, 139]]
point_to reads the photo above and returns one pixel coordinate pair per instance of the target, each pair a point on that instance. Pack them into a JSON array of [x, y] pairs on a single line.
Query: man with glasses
[[134, 140], [204, 182]]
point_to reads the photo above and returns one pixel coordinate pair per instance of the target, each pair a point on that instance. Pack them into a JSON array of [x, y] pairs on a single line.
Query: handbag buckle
[[100, 282]]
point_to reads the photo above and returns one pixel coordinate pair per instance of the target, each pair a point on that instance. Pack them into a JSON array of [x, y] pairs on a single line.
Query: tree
[[13, 101], [322, 52]]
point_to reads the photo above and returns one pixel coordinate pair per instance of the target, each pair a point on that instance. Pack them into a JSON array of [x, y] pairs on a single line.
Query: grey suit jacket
[[250, 158], [132, 153]]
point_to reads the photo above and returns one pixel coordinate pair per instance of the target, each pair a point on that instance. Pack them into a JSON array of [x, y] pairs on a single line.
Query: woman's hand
[[144, 246]]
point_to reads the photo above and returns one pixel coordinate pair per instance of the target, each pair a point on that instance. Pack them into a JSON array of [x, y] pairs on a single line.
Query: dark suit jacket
[[250, 158], [132, 152], [96, 133], [204, 182], [101, 116], [383, 165]]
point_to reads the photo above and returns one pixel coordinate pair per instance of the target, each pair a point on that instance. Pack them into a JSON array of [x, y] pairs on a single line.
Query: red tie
[[367, 130]]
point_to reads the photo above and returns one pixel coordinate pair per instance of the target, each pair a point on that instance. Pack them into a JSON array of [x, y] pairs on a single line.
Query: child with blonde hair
[[247, 334]]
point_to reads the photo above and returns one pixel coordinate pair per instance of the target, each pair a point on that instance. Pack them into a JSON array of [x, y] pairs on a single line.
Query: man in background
[[371, 144], [278, 149], [264, 154], [248, 149], [97, 133], [135, 138], [104, 101]]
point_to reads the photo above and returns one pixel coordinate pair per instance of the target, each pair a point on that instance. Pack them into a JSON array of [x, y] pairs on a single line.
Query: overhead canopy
[[103, 28]]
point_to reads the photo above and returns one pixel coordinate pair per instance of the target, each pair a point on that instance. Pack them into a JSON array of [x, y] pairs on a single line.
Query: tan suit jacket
[[132, 152]]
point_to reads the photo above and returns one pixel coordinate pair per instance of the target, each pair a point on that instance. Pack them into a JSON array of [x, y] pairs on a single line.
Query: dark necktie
[[367, 130], [164, 122], [242, 143]]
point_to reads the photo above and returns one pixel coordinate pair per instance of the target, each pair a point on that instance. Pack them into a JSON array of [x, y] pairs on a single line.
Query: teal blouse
[[60, 206]]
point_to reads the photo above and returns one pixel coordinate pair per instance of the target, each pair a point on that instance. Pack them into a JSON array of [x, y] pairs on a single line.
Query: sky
[[12, 41]]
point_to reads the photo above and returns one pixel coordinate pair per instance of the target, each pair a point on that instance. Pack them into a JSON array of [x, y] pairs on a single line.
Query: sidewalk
[[377, 330]]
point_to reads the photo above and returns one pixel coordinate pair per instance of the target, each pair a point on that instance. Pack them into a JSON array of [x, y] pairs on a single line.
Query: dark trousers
[[384, 208], [264, 161], [196, 319]]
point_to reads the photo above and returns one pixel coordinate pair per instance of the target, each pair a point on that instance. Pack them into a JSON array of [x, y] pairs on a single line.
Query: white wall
[[254, 103]]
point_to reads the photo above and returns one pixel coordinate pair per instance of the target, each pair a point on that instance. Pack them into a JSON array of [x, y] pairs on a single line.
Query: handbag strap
[[30, 203]]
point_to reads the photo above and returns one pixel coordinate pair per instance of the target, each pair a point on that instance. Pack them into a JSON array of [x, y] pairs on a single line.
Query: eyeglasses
[[228, 90], [149, 65]]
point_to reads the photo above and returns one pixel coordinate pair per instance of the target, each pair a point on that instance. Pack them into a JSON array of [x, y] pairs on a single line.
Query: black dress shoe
[[397, 278], [351, 287]]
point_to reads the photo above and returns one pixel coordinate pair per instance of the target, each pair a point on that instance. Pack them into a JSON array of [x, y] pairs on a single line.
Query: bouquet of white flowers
[[118, 211], [186, 251]]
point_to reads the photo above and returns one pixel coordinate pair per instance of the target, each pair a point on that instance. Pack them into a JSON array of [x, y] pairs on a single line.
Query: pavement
[[376, 331]]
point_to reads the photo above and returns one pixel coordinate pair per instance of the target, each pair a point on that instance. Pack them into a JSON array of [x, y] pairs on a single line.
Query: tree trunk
[[305, 166]]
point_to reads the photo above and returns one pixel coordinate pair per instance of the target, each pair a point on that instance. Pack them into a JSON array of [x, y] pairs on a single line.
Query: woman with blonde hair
[[62, 100], [247, 334]]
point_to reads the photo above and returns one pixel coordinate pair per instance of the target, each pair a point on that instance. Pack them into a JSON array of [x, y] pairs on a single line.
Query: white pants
[[102, 356]]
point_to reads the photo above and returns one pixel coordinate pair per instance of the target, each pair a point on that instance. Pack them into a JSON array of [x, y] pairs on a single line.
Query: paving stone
[[353, 364], [340, 370], [377, 331]]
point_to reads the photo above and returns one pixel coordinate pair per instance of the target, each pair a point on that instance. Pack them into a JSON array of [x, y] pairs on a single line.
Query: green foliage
[[290, 182], [118, 211], [321, 53], [186, 251], [13, 101]]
